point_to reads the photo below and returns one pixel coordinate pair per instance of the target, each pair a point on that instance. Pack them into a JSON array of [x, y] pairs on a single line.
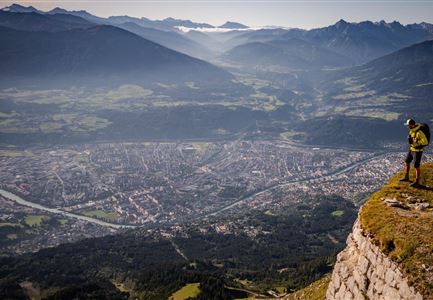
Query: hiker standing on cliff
[[419, 137]]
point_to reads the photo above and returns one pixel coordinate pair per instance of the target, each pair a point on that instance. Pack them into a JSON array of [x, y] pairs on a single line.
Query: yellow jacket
[[418, 137]]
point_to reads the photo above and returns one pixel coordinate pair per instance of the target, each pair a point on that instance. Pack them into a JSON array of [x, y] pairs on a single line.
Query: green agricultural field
[[124, 98], [167, 102], [263, 101], [90, 123], [76, 122], [35, 220], [8, 115], [118, 98], [63, 221], [354, 88], [15, 153], [354, 95], [254, 82], [269, 213], [201, 146], [337, 213], [288, 135], [191, 290], [16, 125], [37, 96], [101, 214], [50, 127], [127, 91], [7, 224]]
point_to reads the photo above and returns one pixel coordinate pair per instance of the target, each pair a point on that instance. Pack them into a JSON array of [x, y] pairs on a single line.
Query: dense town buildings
[[148, 184]]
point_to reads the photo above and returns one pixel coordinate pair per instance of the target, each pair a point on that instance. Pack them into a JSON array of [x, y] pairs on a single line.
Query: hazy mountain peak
[[233, 25], [127, 17], [425, 26], [393, 25], [57, 10], [186, 23], [396, 24], [383, 23], [342, 23], [19, 8]]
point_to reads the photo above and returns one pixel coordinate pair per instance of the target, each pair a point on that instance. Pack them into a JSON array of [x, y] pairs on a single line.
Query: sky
[[254, 13]]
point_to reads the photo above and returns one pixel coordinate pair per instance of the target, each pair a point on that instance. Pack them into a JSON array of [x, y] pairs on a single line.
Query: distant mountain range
[[358, 43], [340, 45], [364, 41], [164, 32], [346, 44], [40, 22], [78, 13], [168, 23], [20, 9], [100, 53]]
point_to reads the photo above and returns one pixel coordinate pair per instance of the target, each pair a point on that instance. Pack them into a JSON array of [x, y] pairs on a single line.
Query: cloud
[[217, 29]]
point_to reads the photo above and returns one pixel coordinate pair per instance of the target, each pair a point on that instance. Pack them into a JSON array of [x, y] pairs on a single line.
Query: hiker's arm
[[420, 139]]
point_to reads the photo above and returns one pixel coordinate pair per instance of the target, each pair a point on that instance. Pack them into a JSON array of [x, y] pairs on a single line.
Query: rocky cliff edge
[[389, 254]]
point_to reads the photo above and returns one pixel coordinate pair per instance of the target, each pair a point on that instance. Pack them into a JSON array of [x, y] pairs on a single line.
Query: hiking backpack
[[426, 130]]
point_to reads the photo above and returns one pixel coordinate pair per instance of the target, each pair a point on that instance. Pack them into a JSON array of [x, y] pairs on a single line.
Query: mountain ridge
[[359, 42], [41, 22], [110, 52], [233, 25], [399, 82], [293, 53], [19, 8]]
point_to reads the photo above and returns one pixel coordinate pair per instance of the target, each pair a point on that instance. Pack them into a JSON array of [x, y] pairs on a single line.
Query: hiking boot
[[416, 185], [405, 179]]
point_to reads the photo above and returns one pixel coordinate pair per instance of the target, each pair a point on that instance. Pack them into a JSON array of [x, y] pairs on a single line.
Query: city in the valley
[[63, 194]]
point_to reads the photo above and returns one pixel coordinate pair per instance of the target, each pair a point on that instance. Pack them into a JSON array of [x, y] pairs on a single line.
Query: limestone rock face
[[362, 272]]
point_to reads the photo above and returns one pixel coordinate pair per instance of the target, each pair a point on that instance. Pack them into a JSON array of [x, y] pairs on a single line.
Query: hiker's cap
[[409, 122]]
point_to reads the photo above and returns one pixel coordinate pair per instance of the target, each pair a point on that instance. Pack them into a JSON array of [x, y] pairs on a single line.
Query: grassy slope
[[191, 290], [405, 235], [314, 291]]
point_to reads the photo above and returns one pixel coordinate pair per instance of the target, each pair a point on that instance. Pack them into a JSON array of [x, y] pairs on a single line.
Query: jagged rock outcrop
[[363, 271]]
